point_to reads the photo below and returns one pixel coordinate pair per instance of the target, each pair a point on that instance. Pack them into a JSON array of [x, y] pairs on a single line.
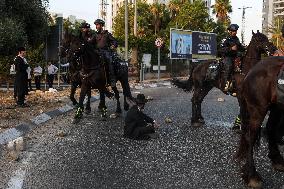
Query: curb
[[23, 128]]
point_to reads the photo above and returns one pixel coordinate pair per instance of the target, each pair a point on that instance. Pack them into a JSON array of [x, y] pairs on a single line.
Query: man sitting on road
[[138, 125]]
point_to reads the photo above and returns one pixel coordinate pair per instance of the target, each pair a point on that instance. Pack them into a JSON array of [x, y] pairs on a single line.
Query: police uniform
[[104, 41], [229, 54], [137, 124]]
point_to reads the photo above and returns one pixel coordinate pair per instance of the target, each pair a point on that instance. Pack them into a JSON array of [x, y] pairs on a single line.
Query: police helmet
[[85, 25], [100, 21], [233, 27]]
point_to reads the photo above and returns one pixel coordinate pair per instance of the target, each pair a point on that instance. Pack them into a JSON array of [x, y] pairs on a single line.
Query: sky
[[88, 10]]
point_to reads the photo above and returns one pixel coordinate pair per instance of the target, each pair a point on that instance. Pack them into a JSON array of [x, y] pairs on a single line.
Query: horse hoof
[[196, 124], [113, 116], [88, 111], [255, 183], [75, 121], [278, 166]]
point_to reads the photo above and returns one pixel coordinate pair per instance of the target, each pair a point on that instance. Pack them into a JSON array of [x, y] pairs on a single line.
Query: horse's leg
[[251, 135], [116, 95], [197, 98], [273, 122], [88, 104], [203, 93], [102, 105], [126, 90], [79, 111], [72, 93]]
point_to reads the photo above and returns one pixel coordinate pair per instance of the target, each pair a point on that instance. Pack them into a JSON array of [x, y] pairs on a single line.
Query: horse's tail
[[186, 85]]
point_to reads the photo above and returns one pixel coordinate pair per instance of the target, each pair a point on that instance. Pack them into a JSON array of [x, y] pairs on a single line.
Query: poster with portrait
[[180, 44]]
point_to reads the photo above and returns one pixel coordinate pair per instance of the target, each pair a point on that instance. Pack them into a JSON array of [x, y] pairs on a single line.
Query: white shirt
[[29, 72], [51, 69], [37, 71]]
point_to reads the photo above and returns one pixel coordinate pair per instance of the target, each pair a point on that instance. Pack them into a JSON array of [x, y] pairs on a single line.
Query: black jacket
[[135, 118], [104, 40], [228, 43], [21, 78]]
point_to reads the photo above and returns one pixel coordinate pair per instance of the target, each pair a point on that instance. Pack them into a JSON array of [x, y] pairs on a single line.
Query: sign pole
[[159, 62]]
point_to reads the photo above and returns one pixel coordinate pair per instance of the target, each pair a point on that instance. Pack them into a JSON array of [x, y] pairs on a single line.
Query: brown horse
[[258, 96], [201, 85], [92, 73]]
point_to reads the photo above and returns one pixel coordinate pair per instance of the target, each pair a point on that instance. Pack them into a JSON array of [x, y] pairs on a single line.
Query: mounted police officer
[[231, 50], [86, 34], [106, 43]]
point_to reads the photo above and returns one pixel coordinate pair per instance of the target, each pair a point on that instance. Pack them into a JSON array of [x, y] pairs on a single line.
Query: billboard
[[185, 44], [180, 44], [204, 45]]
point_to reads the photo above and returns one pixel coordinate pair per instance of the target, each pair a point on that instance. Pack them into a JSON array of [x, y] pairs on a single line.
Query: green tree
[[22, 23], [275, 30], [221, 9]]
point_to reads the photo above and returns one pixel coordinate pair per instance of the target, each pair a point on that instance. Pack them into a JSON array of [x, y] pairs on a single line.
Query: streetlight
[[126, 31]]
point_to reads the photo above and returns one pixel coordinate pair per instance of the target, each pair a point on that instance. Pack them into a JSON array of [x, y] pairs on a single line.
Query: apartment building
[[270, 10]]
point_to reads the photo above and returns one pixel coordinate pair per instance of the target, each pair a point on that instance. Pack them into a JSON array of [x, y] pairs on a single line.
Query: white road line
[[17, 180]]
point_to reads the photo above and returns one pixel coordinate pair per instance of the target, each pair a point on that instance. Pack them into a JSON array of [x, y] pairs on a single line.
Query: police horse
[[92, 72], [262, 91], [75, 65], [201, 80], [121, 75]]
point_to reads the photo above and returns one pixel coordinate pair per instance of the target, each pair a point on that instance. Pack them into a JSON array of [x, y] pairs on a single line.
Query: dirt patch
[[39, 101]]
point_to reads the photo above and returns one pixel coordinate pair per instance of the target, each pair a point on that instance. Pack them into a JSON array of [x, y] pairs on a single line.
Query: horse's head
[[261, 43], [68, 50]]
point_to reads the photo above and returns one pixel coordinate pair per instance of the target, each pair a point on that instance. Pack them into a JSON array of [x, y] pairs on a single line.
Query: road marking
[[17, 181]]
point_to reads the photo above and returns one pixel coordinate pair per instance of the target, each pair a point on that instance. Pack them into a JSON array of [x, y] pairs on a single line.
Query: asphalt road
[[93, 154]]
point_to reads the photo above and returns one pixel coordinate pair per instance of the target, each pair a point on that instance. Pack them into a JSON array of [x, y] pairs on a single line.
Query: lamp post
[[126, 31]]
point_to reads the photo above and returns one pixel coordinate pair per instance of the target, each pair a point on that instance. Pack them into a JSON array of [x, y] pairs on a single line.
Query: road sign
[[159, 42]]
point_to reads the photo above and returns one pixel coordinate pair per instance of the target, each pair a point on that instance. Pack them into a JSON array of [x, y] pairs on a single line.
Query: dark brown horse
[[92, 71], [201, 85], [258, 96]]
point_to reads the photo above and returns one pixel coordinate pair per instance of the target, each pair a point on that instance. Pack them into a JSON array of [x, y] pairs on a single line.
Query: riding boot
[[226, 73]]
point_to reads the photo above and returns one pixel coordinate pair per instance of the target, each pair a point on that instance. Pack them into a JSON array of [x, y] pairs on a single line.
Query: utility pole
[[243, 23], [126, 30]]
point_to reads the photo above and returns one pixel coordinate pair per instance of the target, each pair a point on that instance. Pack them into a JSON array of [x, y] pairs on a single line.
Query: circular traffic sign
[[159, 42]]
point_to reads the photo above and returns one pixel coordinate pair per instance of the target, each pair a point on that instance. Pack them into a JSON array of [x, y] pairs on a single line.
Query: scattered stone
[[168, 120], [61, 134], [220, 99], [14, 148]]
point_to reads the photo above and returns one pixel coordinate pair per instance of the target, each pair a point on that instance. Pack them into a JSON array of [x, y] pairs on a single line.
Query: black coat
[[135, 118], [105, 40], [21, 78], [228, 43]]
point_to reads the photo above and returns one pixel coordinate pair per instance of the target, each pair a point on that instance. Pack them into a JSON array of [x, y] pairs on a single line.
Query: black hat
[[100, 21], [21, 49], [140, 99], [85, 25], [233, 27]]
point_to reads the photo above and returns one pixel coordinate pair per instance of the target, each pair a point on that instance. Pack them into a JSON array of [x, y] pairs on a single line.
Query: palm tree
[[222, 8], [276, 35], [157, 12]]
